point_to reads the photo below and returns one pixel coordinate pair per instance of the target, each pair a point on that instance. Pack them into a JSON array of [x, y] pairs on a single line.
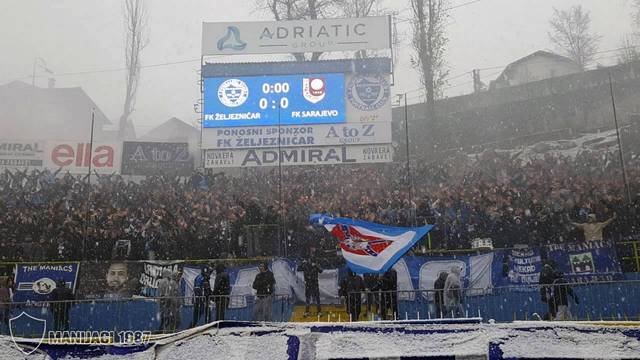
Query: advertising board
[[297, 135], [325, 155], [151, 158], [75, 157], [277, 37], [21, 154]]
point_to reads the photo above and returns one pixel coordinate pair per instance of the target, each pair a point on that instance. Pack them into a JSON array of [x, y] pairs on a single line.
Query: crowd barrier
[[134, 314], [612, 301]]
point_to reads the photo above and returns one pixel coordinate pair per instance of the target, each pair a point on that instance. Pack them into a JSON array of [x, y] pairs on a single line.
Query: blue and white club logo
[[233, 92], [368, 92]]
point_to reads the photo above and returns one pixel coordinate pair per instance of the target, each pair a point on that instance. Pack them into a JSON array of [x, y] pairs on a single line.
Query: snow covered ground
[[605, 140], [390, 340]]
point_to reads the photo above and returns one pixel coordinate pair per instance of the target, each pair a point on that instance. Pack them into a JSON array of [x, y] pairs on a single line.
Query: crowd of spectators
[[505, 196]]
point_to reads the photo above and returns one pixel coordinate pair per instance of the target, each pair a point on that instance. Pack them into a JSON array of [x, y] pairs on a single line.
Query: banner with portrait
[[109, 280]]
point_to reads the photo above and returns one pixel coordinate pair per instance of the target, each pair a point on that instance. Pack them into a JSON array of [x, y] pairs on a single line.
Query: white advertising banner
[[277, 37], [75, 157], [21, 154], [296, 135], [326, 155]]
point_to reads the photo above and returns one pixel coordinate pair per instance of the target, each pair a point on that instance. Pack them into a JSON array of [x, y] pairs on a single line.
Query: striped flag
[[369, 247]]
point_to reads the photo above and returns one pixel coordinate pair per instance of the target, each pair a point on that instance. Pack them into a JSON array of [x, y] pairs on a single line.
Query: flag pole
[[281, 236], [615, 119], [87, 211], [412, 214]]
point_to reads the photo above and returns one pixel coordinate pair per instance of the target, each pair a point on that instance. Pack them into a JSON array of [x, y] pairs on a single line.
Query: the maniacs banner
[[369, 247], [586, 262], [154, 271], [151, 158], [36, 282], [21, 154]]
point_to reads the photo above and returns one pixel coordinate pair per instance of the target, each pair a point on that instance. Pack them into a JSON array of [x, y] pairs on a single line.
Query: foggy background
[[82, 42]]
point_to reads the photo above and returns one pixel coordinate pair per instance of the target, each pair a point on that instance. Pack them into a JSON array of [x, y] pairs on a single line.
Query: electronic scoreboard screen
[[273, 100]]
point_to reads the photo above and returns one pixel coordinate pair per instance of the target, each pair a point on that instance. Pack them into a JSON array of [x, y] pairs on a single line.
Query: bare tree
[[635, 14], [629, 49], [135, 16], [570, 31], [298, 10], [430, 42], [361, 8]]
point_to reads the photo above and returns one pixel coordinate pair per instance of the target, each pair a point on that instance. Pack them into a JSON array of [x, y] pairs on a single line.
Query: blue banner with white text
[[586, 262], [36, 282]]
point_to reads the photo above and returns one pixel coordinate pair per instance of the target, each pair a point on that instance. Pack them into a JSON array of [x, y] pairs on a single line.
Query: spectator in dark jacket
[[311, 270], [5, 303], [547, 276], [264, 284], [201, 292], [351, 288], [169, 299], [62, 297], [372, 285], [561, 293], [389, 294], [438, 287], [221, 291]]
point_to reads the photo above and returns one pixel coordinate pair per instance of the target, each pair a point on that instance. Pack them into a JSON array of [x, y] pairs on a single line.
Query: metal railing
[[610, 300], [629, 253], [613, 301], [157, 315]]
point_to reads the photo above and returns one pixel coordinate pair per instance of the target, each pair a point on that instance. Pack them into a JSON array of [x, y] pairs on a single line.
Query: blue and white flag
[[369, 247]]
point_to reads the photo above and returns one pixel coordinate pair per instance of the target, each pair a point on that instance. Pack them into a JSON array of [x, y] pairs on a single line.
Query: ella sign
[[76, 157]]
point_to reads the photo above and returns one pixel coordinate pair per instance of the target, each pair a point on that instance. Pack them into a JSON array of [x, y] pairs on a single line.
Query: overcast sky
[[87, 36]]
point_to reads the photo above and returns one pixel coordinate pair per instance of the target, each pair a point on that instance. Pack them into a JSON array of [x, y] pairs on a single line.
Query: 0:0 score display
[[275, 88], [274, 99]]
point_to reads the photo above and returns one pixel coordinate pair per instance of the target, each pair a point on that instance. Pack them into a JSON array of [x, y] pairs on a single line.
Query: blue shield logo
[[231, 40], [368, 91], [27, 332]]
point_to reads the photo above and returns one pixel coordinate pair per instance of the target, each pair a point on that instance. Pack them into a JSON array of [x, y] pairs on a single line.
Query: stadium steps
[[330, 313]]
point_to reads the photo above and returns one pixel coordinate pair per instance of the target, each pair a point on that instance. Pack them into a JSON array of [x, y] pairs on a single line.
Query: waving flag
[[369, 247]]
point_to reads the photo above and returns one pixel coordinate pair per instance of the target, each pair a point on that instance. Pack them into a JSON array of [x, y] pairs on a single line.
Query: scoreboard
[[274, 100], [308, 113]]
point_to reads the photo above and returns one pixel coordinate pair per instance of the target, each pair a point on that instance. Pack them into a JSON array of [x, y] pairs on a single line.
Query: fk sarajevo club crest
[[313, 89], [351, 240], [233, 92]]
